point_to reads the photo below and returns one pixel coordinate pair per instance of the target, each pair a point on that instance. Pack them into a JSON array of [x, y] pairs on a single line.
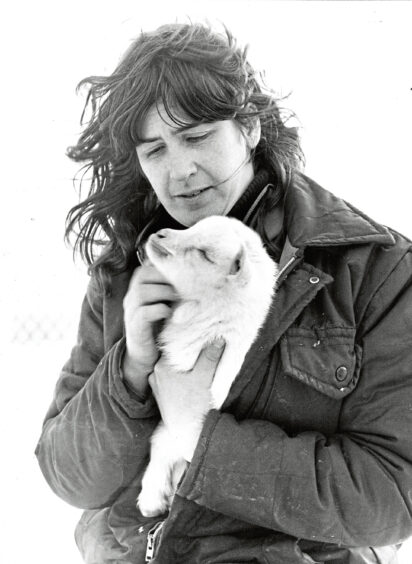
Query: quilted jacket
[[310, 457]]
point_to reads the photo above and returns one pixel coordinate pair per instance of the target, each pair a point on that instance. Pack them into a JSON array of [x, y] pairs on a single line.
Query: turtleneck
[[249, 196]]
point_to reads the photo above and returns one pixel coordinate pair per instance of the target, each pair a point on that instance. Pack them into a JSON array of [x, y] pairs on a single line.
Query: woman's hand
[[184, 398], [147, 303]]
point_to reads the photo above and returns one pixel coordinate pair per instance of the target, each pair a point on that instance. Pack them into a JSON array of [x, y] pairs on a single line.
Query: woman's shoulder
[[318, 217]]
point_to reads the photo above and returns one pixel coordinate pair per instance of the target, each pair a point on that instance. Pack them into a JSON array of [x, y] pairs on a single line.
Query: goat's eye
[[204, 254]]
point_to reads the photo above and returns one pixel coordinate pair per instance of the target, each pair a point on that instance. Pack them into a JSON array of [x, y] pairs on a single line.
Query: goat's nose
[[162, 234]]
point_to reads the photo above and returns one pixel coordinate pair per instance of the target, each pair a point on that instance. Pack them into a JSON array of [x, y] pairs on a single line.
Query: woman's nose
[[181, 166]]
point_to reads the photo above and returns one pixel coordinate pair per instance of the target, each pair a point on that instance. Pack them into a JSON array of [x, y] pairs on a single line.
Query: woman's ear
[[253, 131], [254, 135]]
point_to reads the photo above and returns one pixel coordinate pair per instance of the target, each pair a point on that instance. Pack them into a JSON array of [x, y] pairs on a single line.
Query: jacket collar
[[313, 217], [316, 217]]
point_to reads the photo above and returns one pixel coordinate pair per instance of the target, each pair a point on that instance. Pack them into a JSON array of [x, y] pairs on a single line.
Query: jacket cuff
[[132, 404]]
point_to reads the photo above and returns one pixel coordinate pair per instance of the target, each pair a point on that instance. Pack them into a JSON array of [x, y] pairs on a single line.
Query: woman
[[310, 458]]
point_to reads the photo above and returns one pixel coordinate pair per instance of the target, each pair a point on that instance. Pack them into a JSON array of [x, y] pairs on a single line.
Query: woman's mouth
[[194, 193]]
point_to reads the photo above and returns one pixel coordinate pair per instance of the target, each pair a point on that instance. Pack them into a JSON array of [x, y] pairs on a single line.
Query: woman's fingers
[[209, 356], [148, 286], [154, 293], [147, 274], [156, 312], [147, 302]]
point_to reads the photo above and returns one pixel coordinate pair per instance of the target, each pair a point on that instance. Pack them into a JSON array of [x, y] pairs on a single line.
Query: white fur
[[224, 296]]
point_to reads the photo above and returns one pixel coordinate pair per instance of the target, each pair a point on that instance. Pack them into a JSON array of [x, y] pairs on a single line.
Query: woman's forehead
[[158, 119]]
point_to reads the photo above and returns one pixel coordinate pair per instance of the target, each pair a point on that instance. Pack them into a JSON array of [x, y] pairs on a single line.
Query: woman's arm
[[96, 432], [353, 488]]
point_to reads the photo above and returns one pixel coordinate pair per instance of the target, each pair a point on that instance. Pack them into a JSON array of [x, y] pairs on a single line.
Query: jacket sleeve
[[95, 435], [353, 488]]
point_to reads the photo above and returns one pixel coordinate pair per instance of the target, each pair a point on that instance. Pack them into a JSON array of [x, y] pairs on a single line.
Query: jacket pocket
[[326, 359]]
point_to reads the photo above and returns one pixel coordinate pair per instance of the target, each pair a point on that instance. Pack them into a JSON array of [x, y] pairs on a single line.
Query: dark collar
[[251, 197], [316, 217]]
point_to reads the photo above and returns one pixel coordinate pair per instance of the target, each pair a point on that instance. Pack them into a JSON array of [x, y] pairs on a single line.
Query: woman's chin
[[189, 216]]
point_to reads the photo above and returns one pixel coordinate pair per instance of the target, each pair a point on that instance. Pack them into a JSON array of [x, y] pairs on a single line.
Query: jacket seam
[[202, 459], [370, 238], [279, 474], [382, 284]]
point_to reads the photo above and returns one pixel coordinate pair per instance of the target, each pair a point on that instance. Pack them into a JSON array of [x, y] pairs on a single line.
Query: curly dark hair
[[186, 66]]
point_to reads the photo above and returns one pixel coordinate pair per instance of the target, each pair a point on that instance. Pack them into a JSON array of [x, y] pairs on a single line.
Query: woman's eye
[[193, 139], [154, 152]]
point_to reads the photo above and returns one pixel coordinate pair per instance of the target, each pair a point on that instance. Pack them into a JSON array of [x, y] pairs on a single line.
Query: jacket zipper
[[288, 267], [153, 541]]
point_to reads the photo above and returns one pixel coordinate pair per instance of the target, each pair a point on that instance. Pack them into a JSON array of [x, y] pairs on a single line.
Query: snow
[[38, 526]]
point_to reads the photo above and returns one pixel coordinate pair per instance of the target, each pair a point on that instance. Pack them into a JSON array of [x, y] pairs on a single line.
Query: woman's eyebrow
[[176, 130]]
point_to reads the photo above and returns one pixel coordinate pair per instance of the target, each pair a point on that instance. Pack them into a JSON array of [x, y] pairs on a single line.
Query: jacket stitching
[[380, 287], [202, 461]]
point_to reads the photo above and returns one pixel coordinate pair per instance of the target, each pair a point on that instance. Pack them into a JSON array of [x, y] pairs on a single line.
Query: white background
[[348, 66]]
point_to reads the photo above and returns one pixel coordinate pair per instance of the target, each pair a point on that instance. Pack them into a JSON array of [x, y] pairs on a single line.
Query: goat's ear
[[237, 263]]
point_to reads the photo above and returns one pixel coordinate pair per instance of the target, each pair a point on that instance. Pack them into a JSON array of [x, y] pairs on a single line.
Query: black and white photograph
[[207, 288]]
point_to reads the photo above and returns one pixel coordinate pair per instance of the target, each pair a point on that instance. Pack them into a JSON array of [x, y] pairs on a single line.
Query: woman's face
[[196, 171]]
